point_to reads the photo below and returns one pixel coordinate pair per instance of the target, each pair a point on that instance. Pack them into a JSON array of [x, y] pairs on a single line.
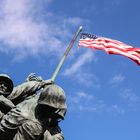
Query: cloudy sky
[[102, 90]]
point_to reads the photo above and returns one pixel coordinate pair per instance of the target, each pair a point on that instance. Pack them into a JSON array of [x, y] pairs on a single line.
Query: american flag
[[110, 46]]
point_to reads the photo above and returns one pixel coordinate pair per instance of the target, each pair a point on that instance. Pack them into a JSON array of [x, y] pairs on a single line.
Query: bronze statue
[[32, 84], [33, 116], [9, 96], [6, 87], [36, 118]]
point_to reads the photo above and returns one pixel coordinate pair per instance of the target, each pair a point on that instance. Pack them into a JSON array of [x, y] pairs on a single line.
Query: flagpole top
[[80, 28]]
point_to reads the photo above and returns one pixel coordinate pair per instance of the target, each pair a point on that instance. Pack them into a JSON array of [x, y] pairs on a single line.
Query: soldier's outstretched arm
[[32, 84]]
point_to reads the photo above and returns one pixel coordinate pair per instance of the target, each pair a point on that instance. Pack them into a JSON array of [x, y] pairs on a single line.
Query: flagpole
[[65, 54]]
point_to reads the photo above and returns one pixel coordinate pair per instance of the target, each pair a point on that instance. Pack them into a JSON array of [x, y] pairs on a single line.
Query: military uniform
[[24, 123], [1, 115], [6, 87], [24, 90], [19, 93]]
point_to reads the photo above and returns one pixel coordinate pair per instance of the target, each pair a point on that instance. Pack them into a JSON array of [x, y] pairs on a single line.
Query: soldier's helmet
[[54, 96], [4, 78]]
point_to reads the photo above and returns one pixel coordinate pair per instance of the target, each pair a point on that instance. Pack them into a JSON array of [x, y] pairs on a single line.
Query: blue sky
[[102, 90]]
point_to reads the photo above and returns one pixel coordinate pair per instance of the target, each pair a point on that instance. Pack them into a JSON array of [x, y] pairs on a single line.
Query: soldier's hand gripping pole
[[65, 54]]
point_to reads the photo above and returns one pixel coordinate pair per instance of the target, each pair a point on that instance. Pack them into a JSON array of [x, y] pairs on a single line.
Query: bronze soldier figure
[[9, 96], [25, 90], [32, 117], [6, 87]]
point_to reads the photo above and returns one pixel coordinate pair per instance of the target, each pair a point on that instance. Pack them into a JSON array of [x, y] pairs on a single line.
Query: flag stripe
[[110, 46], [101, 46]]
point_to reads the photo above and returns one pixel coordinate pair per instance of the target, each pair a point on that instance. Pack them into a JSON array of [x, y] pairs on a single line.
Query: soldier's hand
[[34, 77], [47, 82]]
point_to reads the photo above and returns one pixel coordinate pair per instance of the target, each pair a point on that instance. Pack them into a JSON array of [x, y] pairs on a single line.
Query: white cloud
[[18, 30], [87, 79], [116, 80], [116, 109], [88, 103], [81, 61], [24, 31], [80, 99], [129, 95], [79, 70]]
